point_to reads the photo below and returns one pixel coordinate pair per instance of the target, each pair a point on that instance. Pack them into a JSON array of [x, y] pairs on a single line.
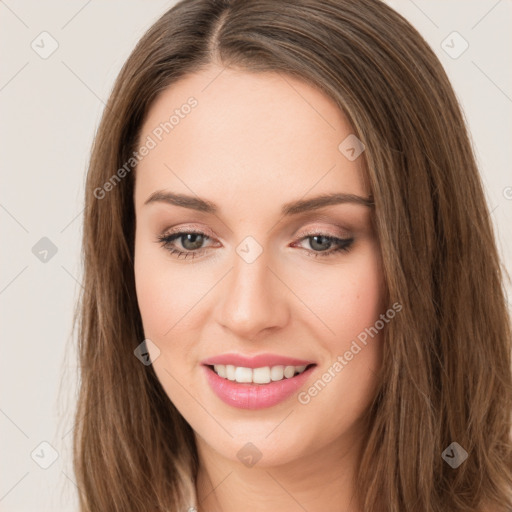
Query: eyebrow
[[288, 209]]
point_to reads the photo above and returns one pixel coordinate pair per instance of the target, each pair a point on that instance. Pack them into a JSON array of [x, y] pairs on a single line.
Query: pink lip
[[258, 361], [255, 396]]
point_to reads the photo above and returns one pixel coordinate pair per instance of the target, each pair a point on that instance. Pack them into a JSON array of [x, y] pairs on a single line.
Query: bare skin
[[253, 143]]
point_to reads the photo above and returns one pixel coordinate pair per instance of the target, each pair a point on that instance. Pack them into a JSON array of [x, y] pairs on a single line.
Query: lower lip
[[255, 396]]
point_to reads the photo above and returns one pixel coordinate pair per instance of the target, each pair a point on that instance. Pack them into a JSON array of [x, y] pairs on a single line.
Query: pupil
[[319, 245], [194, 238]]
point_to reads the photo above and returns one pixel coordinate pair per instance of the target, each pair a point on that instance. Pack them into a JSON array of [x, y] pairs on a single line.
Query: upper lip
[[257, 361]]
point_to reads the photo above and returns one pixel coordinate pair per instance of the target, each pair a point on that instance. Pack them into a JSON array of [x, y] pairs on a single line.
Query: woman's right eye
[[191, 242]]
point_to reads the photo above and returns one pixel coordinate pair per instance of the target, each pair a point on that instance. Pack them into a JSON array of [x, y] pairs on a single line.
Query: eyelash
[[343, 244]]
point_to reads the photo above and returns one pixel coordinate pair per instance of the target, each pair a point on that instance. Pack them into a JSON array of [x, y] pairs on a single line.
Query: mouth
[[256, 388], [259, 376]]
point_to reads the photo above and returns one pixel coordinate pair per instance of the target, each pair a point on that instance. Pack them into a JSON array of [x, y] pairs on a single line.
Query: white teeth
[[262, 375], [289, 371], [277, 372], [243, 374], [221, 370], [230, 372]]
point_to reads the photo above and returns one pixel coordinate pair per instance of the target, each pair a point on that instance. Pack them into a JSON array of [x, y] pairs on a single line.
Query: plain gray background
[[50, 108]]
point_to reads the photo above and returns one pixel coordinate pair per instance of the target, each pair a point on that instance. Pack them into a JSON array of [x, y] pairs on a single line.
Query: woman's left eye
[[192, 241], [319, 240]]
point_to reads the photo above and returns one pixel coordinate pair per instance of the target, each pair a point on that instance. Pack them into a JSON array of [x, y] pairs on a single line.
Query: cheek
[[359, 299], [351, 304], [348, 297], [153, 291], [166, 297], [165, 294]]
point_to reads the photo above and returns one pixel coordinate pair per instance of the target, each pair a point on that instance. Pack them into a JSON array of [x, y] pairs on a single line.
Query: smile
[[262, 375], [255, 388]]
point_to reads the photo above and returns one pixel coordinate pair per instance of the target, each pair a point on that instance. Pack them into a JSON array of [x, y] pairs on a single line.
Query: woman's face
[[238, 157]]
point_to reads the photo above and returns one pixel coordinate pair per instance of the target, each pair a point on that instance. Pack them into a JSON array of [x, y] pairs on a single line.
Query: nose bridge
[[251, 299]]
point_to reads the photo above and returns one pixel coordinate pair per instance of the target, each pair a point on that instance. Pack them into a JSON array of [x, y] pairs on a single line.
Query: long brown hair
[[446, 374]]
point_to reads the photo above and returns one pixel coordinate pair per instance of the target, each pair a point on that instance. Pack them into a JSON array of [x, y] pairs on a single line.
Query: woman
[[293, 298]]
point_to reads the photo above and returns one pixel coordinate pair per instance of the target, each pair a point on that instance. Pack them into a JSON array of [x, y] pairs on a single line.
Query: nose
[[252, 300]]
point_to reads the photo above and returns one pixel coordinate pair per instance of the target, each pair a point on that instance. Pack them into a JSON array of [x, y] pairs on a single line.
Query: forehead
[[246, 133]]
